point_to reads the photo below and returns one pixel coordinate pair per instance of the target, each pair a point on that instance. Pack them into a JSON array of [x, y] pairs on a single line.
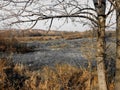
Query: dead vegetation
[[14, 45], [13, 40], [42, 35], [65, 77], [61, 77]]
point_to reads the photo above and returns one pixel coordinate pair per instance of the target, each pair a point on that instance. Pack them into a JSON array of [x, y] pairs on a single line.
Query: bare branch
[[50, 25], [36, 10], [59, 16]]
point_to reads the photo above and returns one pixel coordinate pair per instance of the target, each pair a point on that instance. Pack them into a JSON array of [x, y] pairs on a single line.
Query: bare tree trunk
[[101, 54], [117, 76], [100, 6]]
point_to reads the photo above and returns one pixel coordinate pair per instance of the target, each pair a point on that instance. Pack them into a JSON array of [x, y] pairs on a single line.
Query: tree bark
[[100, 6], [117, 75], [101, 54]]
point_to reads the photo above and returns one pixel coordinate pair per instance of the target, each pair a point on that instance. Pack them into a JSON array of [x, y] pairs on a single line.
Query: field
[[39, 60]]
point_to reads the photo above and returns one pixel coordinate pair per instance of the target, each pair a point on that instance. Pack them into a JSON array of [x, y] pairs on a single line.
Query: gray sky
[[60, 25], [70, 26]]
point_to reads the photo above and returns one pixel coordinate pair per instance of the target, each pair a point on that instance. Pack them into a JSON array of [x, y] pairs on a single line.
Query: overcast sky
[[68, 26], [60, 25]]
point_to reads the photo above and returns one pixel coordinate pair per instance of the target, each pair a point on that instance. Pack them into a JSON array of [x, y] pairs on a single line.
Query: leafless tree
[[117, 77], [32, 11], [116, 4]]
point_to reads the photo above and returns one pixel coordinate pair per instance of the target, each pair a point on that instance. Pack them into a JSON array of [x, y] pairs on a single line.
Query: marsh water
[[49, 53]]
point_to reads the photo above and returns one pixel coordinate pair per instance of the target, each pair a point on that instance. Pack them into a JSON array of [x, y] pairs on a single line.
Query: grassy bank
[[61, 77], [65, 77]]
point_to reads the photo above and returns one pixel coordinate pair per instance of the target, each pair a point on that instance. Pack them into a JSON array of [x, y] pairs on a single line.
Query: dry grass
[[38, 38], [13, 45], [31, 35], [60, 77], [6, 44]]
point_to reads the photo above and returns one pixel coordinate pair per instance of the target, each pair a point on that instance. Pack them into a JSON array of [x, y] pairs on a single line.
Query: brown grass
[[38, 38], [40, 35], [60, 77], [13, 45], [64, 45]]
